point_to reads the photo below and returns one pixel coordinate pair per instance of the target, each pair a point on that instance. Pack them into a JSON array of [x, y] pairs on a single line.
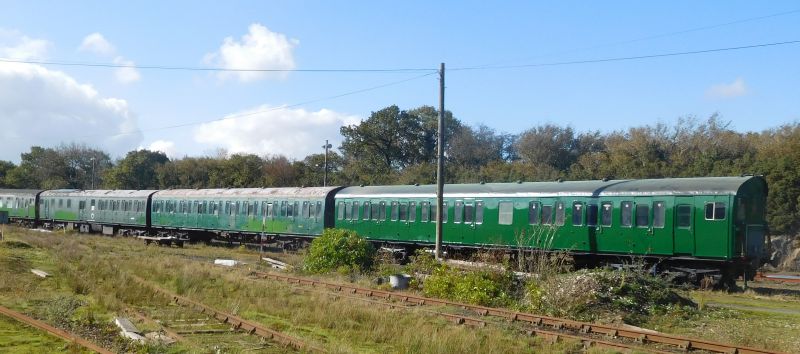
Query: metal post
[[440, 168], [325, 177], [92, 172]]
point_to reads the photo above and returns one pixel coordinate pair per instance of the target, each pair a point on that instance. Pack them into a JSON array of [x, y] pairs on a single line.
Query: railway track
[[235, 321], [586, 332], [53, 330], [783, 278]]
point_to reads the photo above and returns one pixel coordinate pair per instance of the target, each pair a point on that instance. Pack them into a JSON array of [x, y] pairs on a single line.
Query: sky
[[125, 104]]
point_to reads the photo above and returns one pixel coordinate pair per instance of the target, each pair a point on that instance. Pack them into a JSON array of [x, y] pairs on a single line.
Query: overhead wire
[[628, 58]]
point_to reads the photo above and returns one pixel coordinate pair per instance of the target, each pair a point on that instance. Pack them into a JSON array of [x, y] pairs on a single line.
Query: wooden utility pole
[[325, 176], [440, 168]]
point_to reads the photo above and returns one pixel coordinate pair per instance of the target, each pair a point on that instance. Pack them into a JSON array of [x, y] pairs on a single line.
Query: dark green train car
[[245, 211], [109, 211], [714, 218], [20, 204]]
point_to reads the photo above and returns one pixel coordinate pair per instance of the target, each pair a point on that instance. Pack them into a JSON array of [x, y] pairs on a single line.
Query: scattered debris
[[226, 262], [274, 263], [159, 338], [399, 281], [128, 330], [40, 273]]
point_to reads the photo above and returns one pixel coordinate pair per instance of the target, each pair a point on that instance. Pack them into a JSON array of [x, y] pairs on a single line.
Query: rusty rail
[[678, 342], [53, 330], [235, 321], [778, 278]]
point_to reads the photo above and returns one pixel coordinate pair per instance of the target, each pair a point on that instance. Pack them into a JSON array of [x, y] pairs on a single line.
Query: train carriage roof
[[97, 193], [596, 188], [290, 192], [20, 192]]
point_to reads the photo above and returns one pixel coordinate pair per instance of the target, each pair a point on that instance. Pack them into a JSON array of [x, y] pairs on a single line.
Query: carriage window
[[626, 214], [684, 216], [250, 209], [60, 203], [367, 211], [659, 214], [591, 215], [395, 211], [534, 211], [425, 211], [290, 209], [459, 212], [354, 211], [469, 212], [340, 214], [505, 213], [642, 215], [479, 212], [547, 214], [412, 211], [606, 214], [69, 203], [319, 210], [715, 211], [577, 214], [305, 210], [560, 213], [403, 211], [382, 211], [269, 209], [376, 211]]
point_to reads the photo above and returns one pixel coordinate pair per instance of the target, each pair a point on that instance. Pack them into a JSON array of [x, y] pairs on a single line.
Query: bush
[[339, 250], [480, 287]]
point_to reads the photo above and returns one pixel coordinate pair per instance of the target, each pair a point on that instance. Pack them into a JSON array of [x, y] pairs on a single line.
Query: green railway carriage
[[714, 218], [245, 212], [109, 211], [20, 204]]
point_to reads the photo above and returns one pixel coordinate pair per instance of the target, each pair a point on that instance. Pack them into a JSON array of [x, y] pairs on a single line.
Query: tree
[[549, 145], [5, 168], [138, 170]]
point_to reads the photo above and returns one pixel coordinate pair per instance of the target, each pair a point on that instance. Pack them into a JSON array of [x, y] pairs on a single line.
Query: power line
[[662, 35], [214, 69], [638, 57], [234, 116]]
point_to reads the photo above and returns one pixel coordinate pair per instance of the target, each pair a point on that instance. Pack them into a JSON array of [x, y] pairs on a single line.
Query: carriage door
[[683, 228], [712, 231]]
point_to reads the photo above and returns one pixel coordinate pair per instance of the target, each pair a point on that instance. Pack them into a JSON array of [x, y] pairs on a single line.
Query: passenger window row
[[293, 209], [464, 212]]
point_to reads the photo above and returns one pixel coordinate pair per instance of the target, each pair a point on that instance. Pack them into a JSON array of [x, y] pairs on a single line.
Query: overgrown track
[[53, 330], [237, 322], [581, 330], [778, 278]]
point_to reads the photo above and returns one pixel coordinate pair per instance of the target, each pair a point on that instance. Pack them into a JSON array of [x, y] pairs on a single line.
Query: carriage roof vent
[[519, 181], [559, 180], [361, 185], [605, 179], [482, 182]]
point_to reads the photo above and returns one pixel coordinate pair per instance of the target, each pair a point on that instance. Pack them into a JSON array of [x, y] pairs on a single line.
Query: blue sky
[[755, 89]]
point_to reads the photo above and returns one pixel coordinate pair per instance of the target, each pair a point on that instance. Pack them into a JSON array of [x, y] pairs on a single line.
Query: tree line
[[395, 146]]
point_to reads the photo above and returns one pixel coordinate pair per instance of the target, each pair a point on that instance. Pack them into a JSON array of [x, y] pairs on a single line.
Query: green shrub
[[480, 287], [339, 250]]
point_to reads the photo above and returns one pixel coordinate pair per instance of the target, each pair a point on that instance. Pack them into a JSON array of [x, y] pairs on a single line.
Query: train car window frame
[[367, 206], [340, 211], [458, 212], [412, 211], [684, 214], [547, 214], [607, 214], [395, 212], [715, 210], [319, 211], [354, 211], [469, 213], [403, 212], [626, 213], [505, 213], [305, 209], [479, 212], [60, 203], [382, 211], [642, 215], [659, 214], [534, 213], [425, 211], [577, 214], [591, 214], [561, 213]]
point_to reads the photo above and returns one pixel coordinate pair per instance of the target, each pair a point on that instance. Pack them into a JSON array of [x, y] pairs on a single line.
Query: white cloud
[[267, 130], [165, 146], [260, 48], [97, 44], [736, 88], [44, 107], [126, 74], [14, 45]]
